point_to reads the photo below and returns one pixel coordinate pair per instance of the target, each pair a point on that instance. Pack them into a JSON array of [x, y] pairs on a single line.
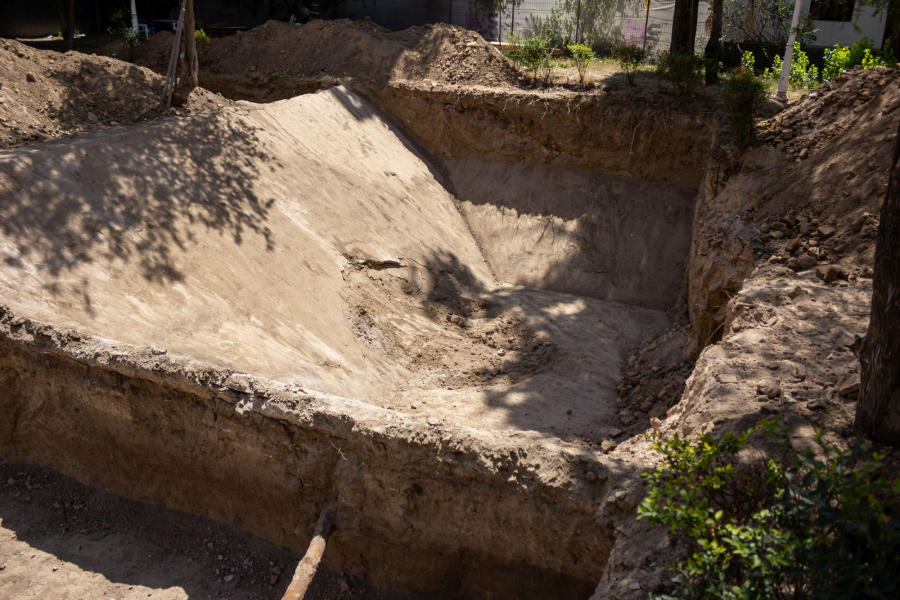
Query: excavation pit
[[248, 313]]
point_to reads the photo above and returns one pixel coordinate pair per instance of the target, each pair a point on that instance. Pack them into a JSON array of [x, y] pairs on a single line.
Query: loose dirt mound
[[357, 49], [46, 95]]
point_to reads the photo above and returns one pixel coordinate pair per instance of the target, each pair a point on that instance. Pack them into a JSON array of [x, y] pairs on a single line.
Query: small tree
[[630, 58]]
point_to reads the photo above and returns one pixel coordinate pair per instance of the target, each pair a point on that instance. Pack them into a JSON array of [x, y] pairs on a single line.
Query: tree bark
[[878, 410], [683, 28], [713, 50], [190, 77], [67, 22]]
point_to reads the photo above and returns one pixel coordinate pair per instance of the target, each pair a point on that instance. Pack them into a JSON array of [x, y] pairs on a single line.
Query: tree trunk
[[878, 410], [190, 77], [713, 50], [682, 27], [67, 22]]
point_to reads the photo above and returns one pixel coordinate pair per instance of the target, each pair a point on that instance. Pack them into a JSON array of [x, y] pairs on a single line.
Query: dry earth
[[407, 289]]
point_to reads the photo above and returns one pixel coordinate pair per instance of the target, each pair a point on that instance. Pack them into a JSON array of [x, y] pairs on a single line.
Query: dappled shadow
[[130, 194], [534, 359]]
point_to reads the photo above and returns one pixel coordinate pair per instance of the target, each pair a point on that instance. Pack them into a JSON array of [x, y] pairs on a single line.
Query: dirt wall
[[423, 505]]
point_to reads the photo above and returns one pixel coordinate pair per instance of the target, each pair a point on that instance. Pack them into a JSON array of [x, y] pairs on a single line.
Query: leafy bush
[[630, 58], [683, 71], [803, 75], [825, 527], [582, 56], [204, 47], [748, 62], [533, 54], [837, 60], [741, 97]]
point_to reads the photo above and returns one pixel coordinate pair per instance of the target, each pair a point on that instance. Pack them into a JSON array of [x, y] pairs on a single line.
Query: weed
[[204, 47], [683, 71]]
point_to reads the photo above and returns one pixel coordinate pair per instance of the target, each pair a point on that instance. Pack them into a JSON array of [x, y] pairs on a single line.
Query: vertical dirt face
[[423, 505]]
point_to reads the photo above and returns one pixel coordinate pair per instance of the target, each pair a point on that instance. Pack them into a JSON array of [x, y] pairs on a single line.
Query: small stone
[[804, 153], [569, 412], [776, 235], [92, 117], [433, 421], [276, 570], [807, 262], [792, 245], [655, 423], [615, 432], [345, 587], [645, 406], [769, 409], [816, 404], [608, 446], [501, 352], [850, 386], [793, 264], [156, 351], [273, 579], [687, 430], [769, 388], [762, 398], [826, 231], [827, 273], [669, 391], [620, 403], [228, 578], [31, 78], [590, 476]]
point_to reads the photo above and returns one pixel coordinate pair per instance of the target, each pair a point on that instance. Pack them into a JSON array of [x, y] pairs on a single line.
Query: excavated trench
[[413, 303]]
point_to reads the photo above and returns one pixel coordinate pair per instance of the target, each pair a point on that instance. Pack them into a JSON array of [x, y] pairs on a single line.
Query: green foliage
[[803, 74], [119, 18], [837, 60], [630, 58], [582, 56], [748, 62], [682, 71], [204, 47], [556, 26], [742, 94], [532, 53], [277, 75], [825, 527]]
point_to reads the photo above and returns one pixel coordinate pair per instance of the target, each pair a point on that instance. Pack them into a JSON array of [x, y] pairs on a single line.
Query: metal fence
[[600, 23]]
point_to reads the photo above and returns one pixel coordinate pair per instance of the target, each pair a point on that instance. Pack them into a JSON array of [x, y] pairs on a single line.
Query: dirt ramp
[[228, 236]]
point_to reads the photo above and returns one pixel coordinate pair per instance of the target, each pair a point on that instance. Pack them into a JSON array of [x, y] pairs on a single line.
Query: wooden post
[[309, 564]]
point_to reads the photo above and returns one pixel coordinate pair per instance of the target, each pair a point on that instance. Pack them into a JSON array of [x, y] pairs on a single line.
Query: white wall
[[843, 33]]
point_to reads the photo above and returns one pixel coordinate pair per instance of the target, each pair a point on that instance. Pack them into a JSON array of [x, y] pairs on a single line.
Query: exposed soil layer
[[46, 95], [61, 539], [780, 283], [423, 504]]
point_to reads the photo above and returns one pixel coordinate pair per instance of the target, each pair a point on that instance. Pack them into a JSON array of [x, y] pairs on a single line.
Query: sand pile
[[357, 49], [46, 95]]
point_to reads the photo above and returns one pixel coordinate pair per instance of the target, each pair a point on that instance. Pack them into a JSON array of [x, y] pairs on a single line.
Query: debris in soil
[[358, 49], [47, 95]]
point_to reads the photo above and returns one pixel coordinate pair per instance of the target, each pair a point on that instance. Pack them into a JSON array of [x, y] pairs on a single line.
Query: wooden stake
[[309, 564]]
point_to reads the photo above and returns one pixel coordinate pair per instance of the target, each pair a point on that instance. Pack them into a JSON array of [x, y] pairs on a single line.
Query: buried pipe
[[309, 564]]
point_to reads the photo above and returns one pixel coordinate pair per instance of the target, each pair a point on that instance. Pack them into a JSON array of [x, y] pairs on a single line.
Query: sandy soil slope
[[305, 241]]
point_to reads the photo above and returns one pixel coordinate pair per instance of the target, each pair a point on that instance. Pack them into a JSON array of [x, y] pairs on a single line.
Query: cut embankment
[[249, 313]]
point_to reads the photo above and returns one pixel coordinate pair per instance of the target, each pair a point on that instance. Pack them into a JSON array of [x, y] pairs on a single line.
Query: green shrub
[[826, 527], [204, 47], [803, 75], [532, 53], [748, 61], [630, 58], [741, 97], [682, 71], [582, 56], [837, 60]]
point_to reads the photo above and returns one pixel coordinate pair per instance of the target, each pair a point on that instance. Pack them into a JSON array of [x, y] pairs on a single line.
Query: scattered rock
[[92, 117], [345, 587], [826, 231], [228, 578], [30, 77], [769, 388], [807, 262], [608, 446], [850, 386], [828, 273]]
